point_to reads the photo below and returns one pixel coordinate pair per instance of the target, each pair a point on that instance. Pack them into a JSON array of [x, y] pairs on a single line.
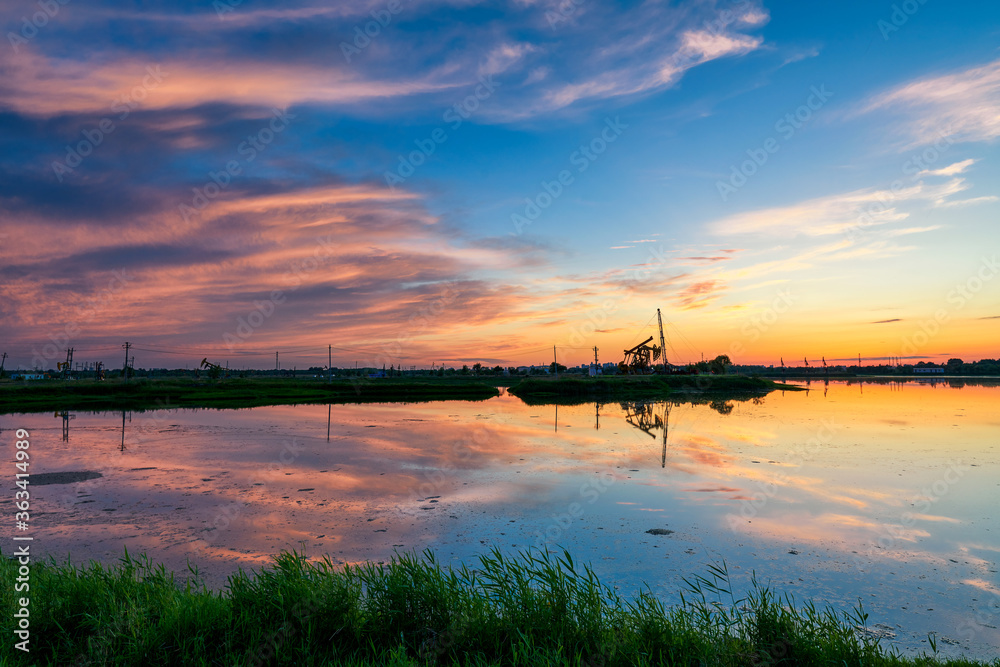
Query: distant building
[[928, 370], [19, 375]]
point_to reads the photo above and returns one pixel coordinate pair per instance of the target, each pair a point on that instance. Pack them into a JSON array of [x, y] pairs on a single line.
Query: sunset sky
[[452, 181]]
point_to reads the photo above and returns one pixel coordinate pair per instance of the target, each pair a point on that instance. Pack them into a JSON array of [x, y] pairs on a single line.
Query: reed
[[527, 608]]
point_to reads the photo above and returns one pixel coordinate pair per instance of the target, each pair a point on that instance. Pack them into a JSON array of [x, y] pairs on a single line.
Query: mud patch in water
[[67, 477]]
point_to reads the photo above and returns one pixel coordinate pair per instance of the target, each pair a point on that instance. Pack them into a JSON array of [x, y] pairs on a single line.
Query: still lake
[[884, 493]]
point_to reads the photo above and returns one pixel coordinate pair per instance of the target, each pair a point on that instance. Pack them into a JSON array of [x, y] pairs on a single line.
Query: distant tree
[[985, 367], [498, 369], [465, 369], [477, 368], [720, 365], [552, 367], [699, 367], [954, 365], [214, 372]]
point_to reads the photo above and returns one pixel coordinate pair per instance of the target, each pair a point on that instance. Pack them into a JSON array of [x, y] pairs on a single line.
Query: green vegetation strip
[[681, 387], [232, 393], [531, 608]]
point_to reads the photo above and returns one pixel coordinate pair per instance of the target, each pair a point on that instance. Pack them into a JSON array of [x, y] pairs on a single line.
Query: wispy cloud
[[717, 258], [39, 85], [950, 170], [699, 294], [615, 53], [967, 202], [837, 213], [961, 104], [341, 254], [649, 73], [910, 230]]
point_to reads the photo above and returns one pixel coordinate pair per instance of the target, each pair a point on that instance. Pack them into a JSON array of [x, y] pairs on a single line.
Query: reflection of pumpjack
[[66, 416], [666, 432], [643, 416], [123, 427]]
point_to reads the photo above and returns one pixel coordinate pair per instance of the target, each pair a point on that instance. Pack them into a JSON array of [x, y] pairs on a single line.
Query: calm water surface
[[886, 493]]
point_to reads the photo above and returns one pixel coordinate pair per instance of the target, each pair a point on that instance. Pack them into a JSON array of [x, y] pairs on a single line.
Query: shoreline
[[236, 393], [686, 388]]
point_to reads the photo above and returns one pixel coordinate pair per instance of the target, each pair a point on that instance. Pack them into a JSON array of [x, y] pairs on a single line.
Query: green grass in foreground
[[530, 609]]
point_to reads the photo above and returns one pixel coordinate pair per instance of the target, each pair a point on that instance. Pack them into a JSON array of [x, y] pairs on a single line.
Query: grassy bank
[[529, 609], [145, 394], [637, 387]]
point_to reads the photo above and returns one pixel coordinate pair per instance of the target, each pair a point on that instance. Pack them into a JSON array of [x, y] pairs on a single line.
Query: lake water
[[886, 493]]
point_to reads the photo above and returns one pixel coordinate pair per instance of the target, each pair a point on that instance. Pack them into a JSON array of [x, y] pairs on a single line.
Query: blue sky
[[869, 220]]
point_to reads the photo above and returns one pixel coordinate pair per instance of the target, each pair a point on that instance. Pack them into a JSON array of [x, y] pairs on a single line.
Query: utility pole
[[125, 369], [2, 360], [329, 364], [596, 365], [555, 364], [276, 367]]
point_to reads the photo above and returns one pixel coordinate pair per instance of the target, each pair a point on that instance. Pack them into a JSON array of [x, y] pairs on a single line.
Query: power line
[[631, 343], [686, 341]]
